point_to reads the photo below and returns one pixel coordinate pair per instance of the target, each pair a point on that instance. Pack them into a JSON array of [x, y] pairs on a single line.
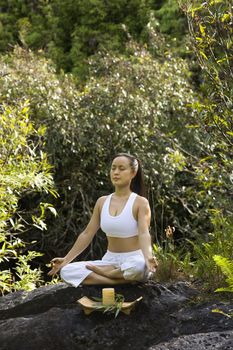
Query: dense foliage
[[212, 35], [210, 26], [71, 31], [24, 169], [129, 109]]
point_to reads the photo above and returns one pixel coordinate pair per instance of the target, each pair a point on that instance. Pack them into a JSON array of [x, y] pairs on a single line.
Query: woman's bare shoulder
[[142, 201], [100, 201]]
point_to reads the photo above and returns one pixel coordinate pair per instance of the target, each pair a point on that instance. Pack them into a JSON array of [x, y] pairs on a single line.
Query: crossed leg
[[109, 271], [104, 275]]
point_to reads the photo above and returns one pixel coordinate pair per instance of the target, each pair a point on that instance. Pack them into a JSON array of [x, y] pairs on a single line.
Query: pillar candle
[[108, 296]]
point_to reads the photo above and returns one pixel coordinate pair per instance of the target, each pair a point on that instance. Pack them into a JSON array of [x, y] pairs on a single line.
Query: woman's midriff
[[123, 245]]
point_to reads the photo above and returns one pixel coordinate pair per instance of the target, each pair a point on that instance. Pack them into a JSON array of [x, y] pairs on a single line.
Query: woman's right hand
[[57, 264]]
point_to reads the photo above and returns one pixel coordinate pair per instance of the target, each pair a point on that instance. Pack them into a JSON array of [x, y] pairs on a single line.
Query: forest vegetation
[[81, 81]]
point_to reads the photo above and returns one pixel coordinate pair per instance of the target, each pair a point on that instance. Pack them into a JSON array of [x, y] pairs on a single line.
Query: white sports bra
[[123, 225]]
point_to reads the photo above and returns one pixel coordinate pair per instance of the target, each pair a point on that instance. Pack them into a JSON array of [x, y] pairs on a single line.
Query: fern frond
[[226, 266]]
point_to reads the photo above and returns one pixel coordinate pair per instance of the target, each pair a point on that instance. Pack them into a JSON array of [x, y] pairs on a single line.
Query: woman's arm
[[144, 217], [82, 242]]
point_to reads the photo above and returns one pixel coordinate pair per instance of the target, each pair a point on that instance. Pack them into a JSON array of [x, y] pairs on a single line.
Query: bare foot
[[110, 271], [100, 270]]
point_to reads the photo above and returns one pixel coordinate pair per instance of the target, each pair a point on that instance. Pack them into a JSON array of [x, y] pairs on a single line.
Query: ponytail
[[137, 184]]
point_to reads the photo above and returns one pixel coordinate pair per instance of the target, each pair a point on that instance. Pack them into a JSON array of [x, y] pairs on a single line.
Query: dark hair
[[137, 184]]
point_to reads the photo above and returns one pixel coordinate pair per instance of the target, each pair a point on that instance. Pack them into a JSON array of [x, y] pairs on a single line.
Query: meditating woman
[[125, 218]]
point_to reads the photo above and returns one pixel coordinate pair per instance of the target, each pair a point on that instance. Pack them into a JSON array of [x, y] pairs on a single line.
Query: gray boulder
[[168, 317]]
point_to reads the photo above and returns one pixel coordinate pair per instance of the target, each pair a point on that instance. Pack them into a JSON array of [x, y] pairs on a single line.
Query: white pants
[[132, 264]]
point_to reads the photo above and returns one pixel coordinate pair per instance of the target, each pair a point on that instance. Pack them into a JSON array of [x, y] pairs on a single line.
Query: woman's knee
[[70, 269], [135, 272], [64, 270]]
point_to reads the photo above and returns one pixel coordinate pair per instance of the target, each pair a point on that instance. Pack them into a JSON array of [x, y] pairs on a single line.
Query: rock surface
[[200, 341], [168, 318]]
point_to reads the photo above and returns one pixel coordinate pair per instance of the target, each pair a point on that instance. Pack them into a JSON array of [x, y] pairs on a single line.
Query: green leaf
[[225, 17], [53, 210], [202, 29], [230, 133], [203, 55]]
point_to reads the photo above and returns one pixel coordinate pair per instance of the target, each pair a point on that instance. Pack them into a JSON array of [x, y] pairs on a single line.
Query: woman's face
[[121, 171]]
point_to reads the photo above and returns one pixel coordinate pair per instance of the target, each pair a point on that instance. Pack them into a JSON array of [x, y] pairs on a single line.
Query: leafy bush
[[220, 242], [174, 263], [211, 34], [70, 32], [24, 169]]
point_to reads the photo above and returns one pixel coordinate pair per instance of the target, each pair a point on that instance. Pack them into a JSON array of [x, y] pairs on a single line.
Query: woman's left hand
[[152, 264]]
